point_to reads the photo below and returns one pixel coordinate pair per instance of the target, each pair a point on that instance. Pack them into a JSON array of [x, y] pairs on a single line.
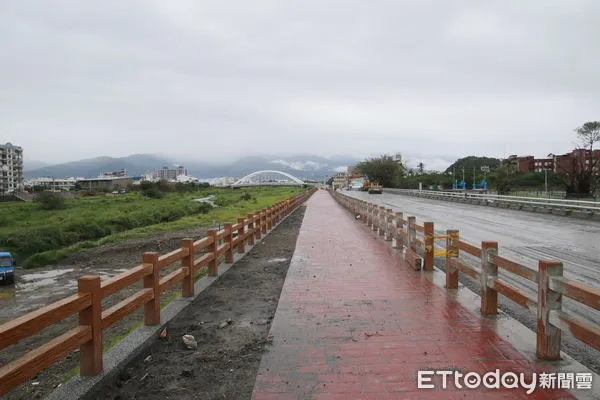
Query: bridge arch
[[246, 180]]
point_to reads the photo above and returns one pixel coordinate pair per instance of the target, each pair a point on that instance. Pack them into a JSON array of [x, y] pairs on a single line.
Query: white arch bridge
[[268, 178]]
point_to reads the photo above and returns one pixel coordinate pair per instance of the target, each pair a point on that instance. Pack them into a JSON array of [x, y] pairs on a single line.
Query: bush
[[51, 201], [246, 196]]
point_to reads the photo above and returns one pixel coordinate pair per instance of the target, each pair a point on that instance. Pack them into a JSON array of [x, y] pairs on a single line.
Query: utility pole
[[546, 180]]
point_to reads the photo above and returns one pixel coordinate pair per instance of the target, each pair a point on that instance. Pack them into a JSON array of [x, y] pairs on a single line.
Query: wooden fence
[[406, 234], [88, 335]]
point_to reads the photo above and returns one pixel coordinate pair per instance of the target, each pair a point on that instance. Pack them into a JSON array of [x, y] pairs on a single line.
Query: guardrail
[[551, 284], [88, 335], [559, 206]]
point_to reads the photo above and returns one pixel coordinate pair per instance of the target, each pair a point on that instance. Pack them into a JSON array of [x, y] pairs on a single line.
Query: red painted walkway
[[353, 322]]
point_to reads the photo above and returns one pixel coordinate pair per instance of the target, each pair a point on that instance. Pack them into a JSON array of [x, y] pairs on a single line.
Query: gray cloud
[[431, 79]]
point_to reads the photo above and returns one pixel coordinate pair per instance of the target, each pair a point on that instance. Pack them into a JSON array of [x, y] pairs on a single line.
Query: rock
[[148, 359], [35, 383], [190, 342], [223, 324], [262, 322], [188, 373], [163, 335]]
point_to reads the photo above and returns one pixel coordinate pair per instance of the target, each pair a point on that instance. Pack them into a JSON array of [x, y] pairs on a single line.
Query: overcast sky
[[431, 79]]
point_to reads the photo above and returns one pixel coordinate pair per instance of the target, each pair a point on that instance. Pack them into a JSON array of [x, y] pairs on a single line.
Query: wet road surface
[[522, 237]]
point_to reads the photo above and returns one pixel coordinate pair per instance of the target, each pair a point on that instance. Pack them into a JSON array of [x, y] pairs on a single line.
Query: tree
[[580, 172], [383, 169], [470, 164], [421, 168], [505, 176]]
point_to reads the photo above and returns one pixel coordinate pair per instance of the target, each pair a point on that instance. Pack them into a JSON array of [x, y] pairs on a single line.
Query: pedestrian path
[[354, 322]]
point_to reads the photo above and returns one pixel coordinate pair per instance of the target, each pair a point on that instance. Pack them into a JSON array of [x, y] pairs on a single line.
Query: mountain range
[[302, 166]]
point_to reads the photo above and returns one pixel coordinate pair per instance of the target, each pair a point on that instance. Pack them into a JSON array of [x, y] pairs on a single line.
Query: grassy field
[[40, 237]]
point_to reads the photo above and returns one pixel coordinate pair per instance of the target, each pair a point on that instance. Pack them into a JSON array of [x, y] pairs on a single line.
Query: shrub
[[246, 196], [51, 201]]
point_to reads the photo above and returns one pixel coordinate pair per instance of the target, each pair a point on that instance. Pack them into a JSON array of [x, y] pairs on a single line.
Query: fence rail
[[565, 207], [552, 286], [88, 335]]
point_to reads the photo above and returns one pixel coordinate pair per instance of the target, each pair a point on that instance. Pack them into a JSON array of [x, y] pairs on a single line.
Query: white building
[[53, 184], [170, 174], [11, 168]]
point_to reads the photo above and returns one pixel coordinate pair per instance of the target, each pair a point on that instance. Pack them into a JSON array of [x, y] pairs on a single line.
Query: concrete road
[[522, 237]]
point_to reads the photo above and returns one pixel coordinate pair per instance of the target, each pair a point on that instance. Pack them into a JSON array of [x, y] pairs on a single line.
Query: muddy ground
[[230, 322], [38, 287]]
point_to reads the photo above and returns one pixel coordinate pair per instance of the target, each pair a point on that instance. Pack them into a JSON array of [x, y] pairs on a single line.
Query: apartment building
[[169, 174], [564, 163], [11, 168]]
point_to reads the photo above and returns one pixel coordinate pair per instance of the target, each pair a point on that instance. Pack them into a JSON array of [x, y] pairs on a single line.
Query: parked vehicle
[[7, 268]]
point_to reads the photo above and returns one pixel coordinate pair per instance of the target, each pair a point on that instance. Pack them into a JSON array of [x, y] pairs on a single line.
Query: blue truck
[[7, 267]]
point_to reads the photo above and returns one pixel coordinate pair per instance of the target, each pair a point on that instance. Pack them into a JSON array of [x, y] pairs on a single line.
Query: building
[[11, 168], [52, 184], [578, 159], [340, 180], [170, 174], [114, 174], [353, 173], [108, 184]]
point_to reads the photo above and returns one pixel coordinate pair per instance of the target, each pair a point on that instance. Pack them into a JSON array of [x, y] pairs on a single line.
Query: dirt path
[[225, 363]]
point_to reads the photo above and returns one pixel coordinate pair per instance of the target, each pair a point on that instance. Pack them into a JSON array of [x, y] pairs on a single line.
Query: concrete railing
[[404, 233], [575, 208], [216, 247]]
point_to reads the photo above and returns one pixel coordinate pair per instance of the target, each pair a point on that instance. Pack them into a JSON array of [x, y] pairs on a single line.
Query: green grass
[[42, 237]]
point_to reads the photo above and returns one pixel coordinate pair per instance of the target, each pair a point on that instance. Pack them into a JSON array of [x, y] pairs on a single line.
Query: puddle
[[51, 274], [277, 260], [206, 200]]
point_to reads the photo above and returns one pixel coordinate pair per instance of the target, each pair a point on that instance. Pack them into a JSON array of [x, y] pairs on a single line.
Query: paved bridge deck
[[354, 322]]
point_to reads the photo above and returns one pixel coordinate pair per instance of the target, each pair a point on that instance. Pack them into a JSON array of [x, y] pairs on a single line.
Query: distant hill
[[471, 162], [302, 166], [136, 164], [31, 165]]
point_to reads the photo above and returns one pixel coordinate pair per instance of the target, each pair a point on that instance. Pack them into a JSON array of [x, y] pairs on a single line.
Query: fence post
[[269, 218], [382, 221], [389, 235], [489, 297], [263, 221], [428, 245], [188, 262], [229, 240], [240, 234], [412, 233], [251, 228], [548, 335], [451, 253], [213, 266], [369, 215], [398, 234], [364, 211], [375, 221], [152, 281], [90, 353]]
